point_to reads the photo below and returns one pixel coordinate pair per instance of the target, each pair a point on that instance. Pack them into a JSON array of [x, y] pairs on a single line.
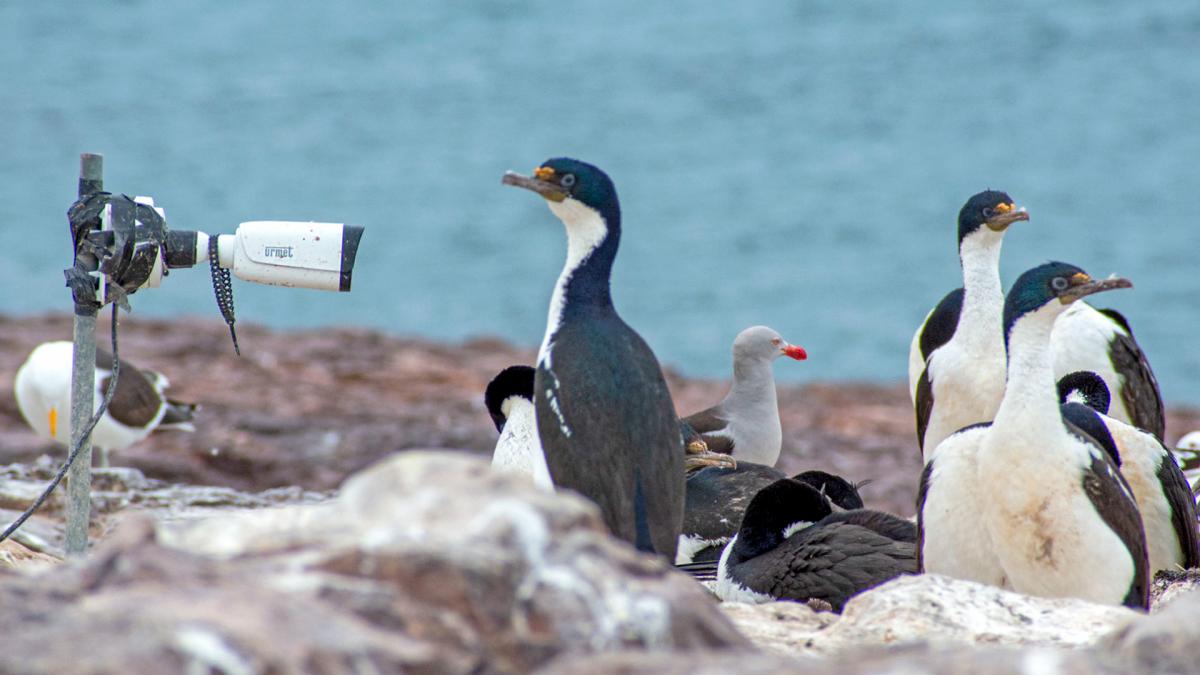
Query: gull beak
[[53, 423], [795, 351]]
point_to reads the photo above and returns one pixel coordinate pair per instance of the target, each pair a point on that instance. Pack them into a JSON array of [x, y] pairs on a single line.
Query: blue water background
[[794, 163]]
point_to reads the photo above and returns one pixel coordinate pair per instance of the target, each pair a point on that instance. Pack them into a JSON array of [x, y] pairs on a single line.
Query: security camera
[[276, 252], [138, 249]]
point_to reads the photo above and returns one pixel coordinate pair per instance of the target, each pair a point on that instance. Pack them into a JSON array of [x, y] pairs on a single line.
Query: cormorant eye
[[568, 180], [1059, 283], [988, 212]]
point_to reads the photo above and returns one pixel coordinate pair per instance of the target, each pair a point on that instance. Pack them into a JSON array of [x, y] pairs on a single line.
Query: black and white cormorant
[[605, 417], [1030, 501], [1101, 341], [717, 498], [956, 361], [745, 424], [139, 405], [964, 383], [792, 546], [1163, 494], [509, 400]]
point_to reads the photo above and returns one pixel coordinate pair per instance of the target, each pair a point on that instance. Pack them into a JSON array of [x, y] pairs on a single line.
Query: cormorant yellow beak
[[1006, 214], [541, 183], [1083, 285]]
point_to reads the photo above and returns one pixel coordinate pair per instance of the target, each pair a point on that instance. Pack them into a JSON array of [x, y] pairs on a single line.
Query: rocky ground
[[230, 550], [307, 408], [429, 562]]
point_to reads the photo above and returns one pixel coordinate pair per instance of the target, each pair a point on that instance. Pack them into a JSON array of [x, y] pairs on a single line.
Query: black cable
[[87, 433], [223, 287]]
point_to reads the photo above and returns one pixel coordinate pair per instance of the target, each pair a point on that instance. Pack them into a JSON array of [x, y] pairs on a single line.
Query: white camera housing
[[295, 254], [288, 253]]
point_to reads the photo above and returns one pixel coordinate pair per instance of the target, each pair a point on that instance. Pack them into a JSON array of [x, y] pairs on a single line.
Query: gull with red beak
[[745, 424]]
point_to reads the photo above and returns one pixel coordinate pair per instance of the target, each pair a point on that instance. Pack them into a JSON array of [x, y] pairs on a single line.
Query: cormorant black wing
[[942, 322], [1139, 389], [922, 494], [1114, 503], [1183, 508], [885, 524], [1089, 421], [609, 430], [923, 407], [832, 562]]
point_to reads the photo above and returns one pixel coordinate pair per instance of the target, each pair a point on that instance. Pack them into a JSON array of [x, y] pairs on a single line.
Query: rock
[[135, 607], [121, 488], [928, 608], [682, 663], [954, 660], [14, 555], [530, 573], [908, 660], [1164, 642], [426, 562], [789, 628], [1170, 584]]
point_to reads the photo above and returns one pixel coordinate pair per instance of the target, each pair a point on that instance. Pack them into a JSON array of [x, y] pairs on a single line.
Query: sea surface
[[793, 163]]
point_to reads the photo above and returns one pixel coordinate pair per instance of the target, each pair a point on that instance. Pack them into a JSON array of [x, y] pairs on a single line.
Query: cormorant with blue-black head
[[605, 417], [1054, 517], [792, 546], [1163, 494], [956, 361]]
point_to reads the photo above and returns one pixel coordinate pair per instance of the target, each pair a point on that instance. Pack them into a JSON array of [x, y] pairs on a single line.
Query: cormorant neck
[[983, 296], [592, 239], [583, 285], [1031, 394], [979, 255]]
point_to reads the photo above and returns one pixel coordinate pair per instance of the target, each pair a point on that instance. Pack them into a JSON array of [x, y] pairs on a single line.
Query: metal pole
[[83, 385]]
